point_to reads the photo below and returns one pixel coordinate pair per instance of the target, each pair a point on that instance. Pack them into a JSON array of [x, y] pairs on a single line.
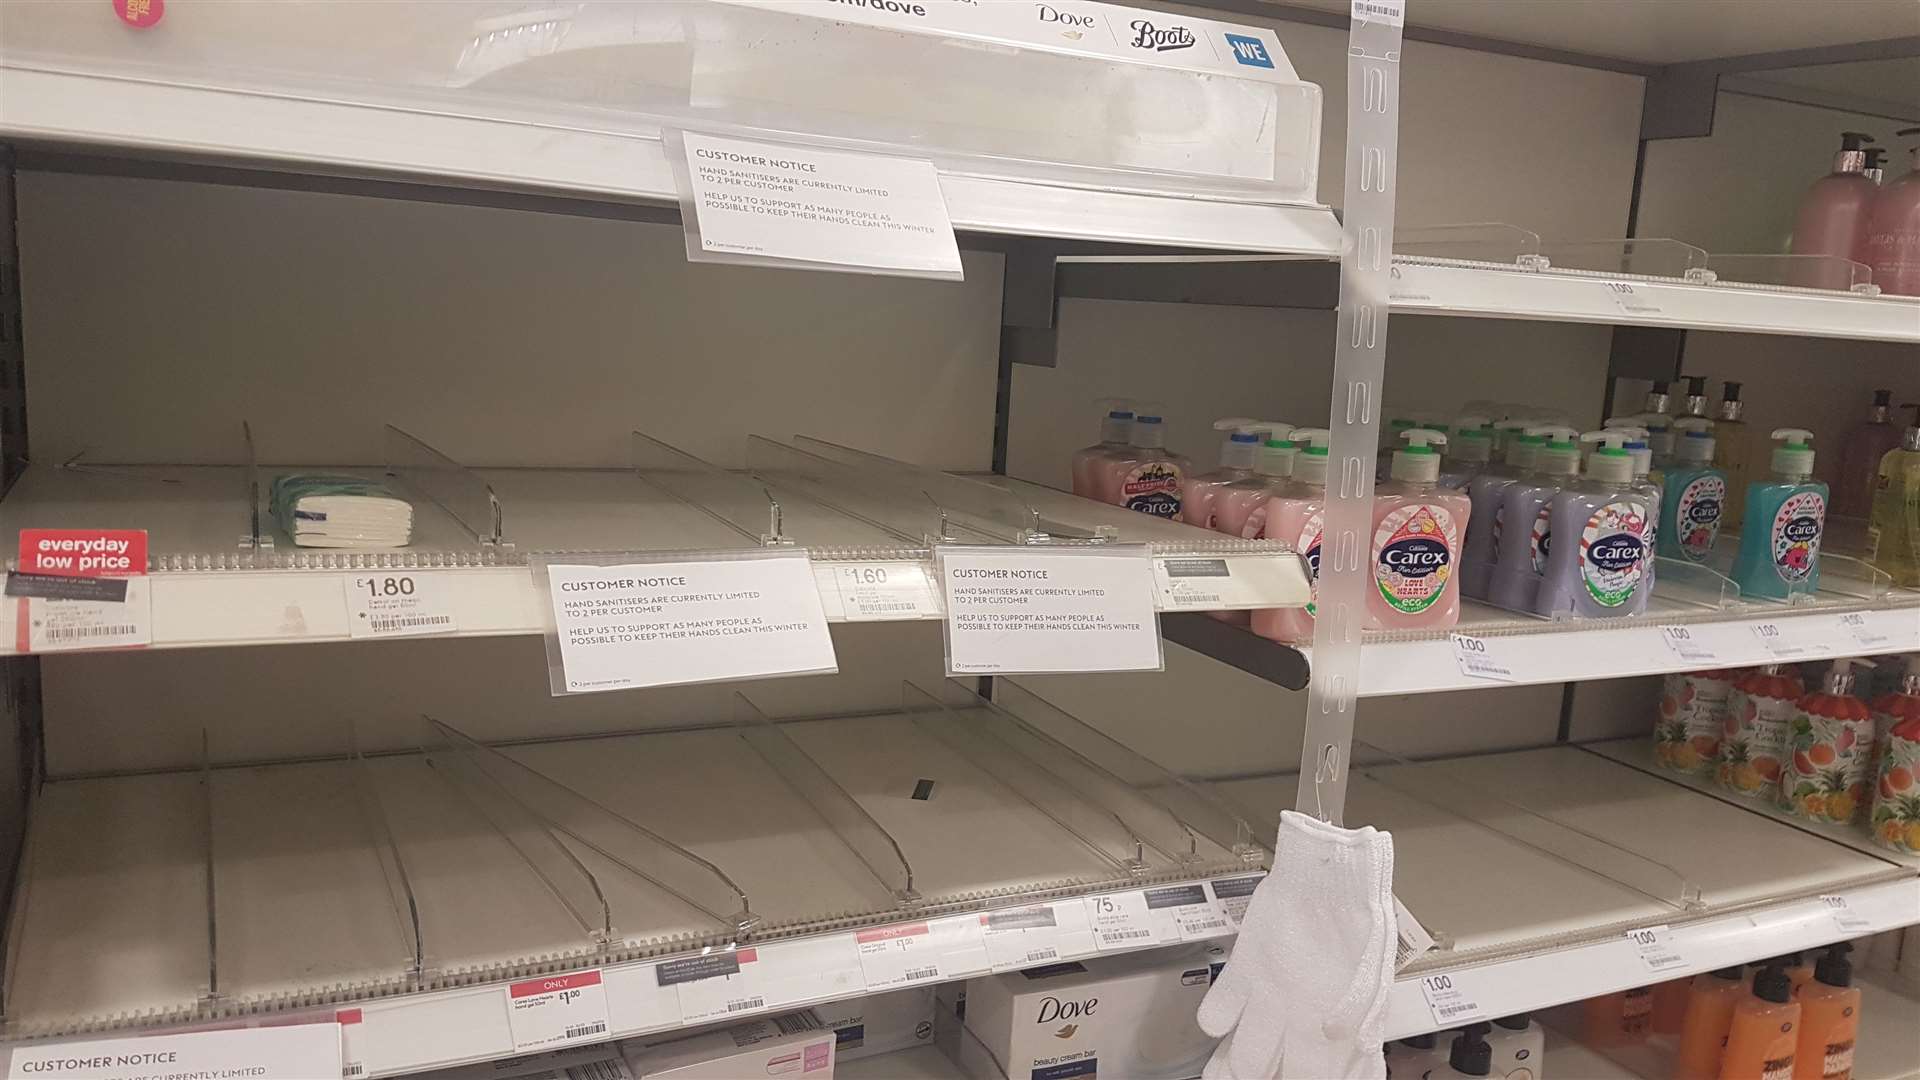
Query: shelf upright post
[[1359, 362], [207, 854]]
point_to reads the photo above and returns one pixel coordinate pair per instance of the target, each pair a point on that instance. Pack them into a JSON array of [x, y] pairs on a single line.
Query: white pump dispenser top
[[1636, 444], [1610, 464], [1242, 441], [1116, 423], [1148, 432], [1418, 462], [1795, 459], [1695, 445], [1277, 455], [1473, 440], [1559, 456], [1310, 467]]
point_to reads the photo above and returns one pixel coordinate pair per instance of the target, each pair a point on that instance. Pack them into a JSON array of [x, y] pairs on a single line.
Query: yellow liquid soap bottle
[[1893, 531]]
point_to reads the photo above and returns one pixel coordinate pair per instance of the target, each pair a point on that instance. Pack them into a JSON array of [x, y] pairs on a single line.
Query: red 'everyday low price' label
[[50, 617], [83, 552]]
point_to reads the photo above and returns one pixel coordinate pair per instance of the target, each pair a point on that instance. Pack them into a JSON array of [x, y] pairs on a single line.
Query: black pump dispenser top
[[1855, 140], [1516, 1022], [1732, 974], [1471, 1055], [1422, 1042], [1883, 397], [1772, 984], [1834, 969]]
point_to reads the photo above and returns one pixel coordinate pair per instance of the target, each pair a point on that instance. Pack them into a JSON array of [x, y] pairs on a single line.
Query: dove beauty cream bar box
[[1125, 1017]]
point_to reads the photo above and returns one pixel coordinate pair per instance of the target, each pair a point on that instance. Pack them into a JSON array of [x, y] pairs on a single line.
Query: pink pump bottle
[[1240, 508], [1415, 548], [1893, 230], [1115, 428], [1296, 516], [1833, 216], [1236, 463], [1146, 479]]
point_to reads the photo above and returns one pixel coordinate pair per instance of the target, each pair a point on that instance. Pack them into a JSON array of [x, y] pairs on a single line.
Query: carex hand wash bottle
[[1415, 548], [1786, 515]]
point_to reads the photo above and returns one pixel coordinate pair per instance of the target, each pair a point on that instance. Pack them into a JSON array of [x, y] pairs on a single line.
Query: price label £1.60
[[397, 603]]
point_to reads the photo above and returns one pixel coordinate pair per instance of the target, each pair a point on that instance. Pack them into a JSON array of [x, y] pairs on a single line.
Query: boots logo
[[1148, 36]]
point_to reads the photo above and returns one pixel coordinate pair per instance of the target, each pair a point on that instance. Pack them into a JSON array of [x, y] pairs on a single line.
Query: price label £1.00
[[397, 603]]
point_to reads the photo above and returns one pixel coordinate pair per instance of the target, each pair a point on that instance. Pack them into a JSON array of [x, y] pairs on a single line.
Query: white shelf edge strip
[[1613, 649], [1529, 983], [170, 119], [1426, 289]]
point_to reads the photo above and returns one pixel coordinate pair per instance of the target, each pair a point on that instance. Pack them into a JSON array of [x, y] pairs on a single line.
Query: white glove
[[1304, 996]]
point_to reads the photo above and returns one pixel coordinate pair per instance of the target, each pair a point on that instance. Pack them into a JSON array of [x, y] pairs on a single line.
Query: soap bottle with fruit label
[[1760, 713], [1895, 819], [1415, 548], [1695, 495], [1825, 775], [1693, 717]]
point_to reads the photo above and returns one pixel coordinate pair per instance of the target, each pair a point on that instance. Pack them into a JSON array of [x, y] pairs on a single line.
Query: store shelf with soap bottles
[[224, 570], [1530, 867], [703, 870]]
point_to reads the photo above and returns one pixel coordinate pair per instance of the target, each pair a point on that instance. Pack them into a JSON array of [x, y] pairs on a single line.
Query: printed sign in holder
[[806, 204], [629, 620], [1039, 608]]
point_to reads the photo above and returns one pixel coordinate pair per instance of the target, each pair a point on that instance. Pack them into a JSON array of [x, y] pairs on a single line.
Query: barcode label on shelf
[[1630, 299], [1123, 921], [1219, 582], [1185, 913], [1041, 934], [1790, 641], [1656, 948], [287, 1052], [45, 624], [1406, 285], [1848, 920], [714, 986], [556, 1010], [1687, 645], [1391, 12], [878, 591], [1863, 631], [895, 956], [1232, 896], [1411, 938], [1449, 999], [1031, 610], [399, 604], [1481, 658]]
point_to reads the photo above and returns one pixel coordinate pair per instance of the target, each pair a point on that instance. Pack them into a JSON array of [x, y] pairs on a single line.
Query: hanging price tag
[[397, 604], [1449, 999], [1480, 660], [557, 1010], [1789, 641], [1863, 631], [1656, 948], [716, 986], [1121, 921], [1690, 647], [1844, 917]]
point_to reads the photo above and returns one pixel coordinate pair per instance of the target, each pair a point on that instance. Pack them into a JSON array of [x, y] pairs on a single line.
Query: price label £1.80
[[397, 603]]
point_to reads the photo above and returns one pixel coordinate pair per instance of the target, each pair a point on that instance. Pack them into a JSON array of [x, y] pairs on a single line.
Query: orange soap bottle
[[1670, 1005], [1623, 1017], [1799, 970], [1764, 1032], [1703, 1033], [1829, 1019]]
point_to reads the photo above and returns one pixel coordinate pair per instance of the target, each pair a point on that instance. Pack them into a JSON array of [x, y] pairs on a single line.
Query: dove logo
[[1052, 1009]]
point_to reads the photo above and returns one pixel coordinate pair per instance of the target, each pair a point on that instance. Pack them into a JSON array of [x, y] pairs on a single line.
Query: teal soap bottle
[[1786, 516], [1694, 497]]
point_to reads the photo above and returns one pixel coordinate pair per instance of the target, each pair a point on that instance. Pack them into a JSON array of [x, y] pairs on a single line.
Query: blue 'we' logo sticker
[[1250, 51]]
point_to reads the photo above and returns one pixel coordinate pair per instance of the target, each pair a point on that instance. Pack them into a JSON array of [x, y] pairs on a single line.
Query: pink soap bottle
[[1236, 463], [1146, 479], [1115, 427], [1833, 216], [1893, 230], [1296, 516], [1240, 508], [1415, 548]]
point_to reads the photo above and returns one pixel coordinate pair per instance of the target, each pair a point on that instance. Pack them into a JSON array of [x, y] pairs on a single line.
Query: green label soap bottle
[[1786, 515], [1695, 495]]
